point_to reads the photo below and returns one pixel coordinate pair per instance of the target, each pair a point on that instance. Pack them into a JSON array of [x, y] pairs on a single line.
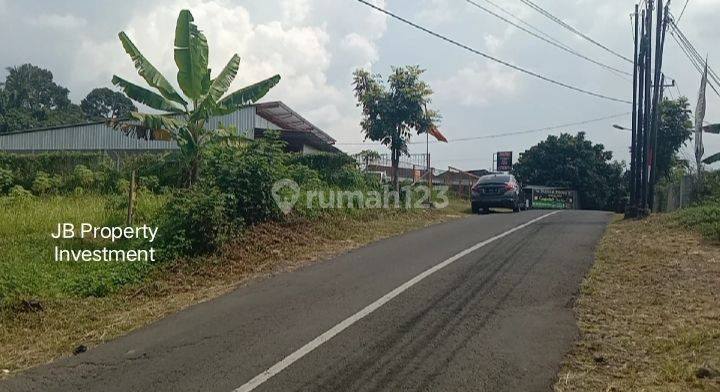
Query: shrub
[[6, 180], [351, 177], [334, 169], [151, 183], [82, 177], [26, 166], [93, 171], [18, 192], [704, 218], [44, 183], [246, 175], [193, 222], [102, 282], [123, 186], [710, 187], [166, 168], [303, 175]]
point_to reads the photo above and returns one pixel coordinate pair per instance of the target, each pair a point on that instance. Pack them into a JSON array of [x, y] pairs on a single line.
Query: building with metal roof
[[251, 121]]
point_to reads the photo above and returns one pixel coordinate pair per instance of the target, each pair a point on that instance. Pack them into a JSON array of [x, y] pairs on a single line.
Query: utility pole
[[648, 83], [647, 111], [639, 146], [657, 97], [631, 210]]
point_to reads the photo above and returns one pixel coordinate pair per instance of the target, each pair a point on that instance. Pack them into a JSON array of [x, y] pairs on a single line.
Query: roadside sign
[[554, 199], [504, 161]]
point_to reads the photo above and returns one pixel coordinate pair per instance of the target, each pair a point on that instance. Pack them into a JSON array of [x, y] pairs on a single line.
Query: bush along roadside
[[223, 230], [64, 173], [703, 218], [234, 194]]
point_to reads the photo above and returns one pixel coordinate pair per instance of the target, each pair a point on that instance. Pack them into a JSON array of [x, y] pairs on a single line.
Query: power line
[[694, 56], [523, 22], [551, 42], [513, 133], [487, 56], [688, 45], [683, 11], [573, 29], [697, 64]]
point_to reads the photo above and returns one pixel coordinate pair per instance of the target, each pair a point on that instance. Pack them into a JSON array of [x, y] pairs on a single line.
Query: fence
[[676, 195]]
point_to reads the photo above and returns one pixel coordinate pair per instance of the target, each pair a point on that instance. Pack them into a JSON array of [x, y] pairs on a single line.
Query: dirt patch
[[649, 313], [30, 337]]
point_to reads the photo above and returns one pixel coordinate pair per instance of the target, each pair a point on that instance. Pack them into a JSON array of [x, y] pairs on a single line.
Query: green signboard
[[553, 199]]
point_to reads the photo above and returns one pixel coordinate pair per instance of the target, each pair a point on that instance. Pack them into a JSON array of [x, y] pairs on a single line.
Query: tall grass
[[27, 266]]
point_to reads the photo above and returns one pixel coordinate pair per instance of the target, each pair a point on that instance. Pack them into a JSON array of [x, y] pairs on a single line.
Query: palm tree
[[185, 117]]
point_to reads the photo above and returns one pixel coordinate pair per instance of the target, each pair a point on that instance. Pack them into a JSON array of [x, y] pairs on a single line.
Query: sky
[[315, 45]]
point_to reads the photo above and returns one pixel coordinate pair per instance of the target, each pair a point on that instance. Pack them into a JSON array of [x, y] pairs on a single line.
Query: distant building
[[479, 172], [251, 121]]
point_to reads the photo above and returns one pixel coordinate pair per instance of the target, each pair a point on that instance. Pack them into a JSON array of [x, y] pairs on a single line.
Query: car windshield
[[495, 179]]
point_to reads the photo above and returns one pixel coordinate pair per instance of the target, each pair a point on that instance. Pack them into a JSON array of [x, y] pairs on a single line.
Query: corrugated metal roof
[[286, 118], [99, 136], [86, 137]]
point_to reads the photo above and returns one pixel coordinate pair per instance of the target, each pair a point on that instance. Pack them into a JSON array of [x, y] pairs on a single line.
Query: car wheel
[[475, 209]]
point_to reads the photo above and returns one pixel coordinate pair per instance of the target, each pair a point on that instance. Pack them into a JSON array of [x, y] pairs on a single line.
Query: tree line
[[30, 98], [574, 162]]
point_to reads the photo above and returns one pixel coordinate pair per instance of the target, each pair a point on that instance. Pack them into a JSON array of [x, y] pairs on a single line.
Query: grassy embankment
[[648, 311], [88, 303]]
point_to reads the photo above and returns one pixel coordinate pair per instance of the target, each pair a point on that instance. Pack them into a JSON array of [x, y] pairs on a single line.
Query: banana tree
[[184, 117], [712, 159]]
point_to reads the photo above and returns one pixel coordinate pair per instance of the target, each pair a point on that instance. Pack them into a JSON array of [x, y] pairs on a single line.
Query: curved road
[[480, 303]]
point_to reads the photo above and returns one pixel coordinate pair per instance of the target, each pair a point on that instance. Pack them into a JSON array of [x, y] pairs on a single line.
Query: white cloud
[[295, 11], [55, 21], [478, 85], [316, 44], [493, 43], [435, 12], [297, 47], [360, 48]]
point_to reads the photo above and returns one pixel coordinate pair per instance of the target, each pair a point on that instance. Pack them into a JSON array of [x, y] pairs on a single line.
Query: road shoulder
[[648, 312]]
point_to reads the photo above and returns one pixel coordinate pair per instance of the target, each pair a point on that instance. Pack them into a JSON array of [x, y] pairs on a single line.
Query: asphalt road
[[480, 303]]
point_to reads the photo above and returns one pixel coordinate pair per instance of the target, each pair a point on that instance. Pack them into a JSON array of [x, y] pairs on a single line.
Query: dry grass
[[31, 338], [648, 312]]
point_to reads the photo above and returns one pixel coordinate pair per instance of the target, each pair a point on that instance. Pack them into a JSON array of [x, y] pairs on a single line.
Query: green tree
[[31, 87], [185, 117], [391, 111], [103, 103], [674, 131], [29, 98], [576, 163]]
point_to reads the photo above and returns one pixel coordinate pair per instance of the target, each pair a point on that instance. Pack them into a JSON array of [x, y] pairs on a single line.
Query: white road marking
[[329, 334]]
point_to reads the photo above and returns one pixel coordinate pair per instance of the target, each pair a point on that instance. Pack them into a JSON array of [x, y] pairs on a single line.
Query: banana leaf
[[157, 121], [152, 76], [249, 94], [712, 159], [208, 104], [145, 96], [191, 57]]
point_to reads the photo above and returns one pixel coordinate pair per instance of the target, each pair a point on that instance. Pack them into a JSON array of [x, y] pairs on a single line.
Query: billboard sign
[[554, 199], [504, 161]]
